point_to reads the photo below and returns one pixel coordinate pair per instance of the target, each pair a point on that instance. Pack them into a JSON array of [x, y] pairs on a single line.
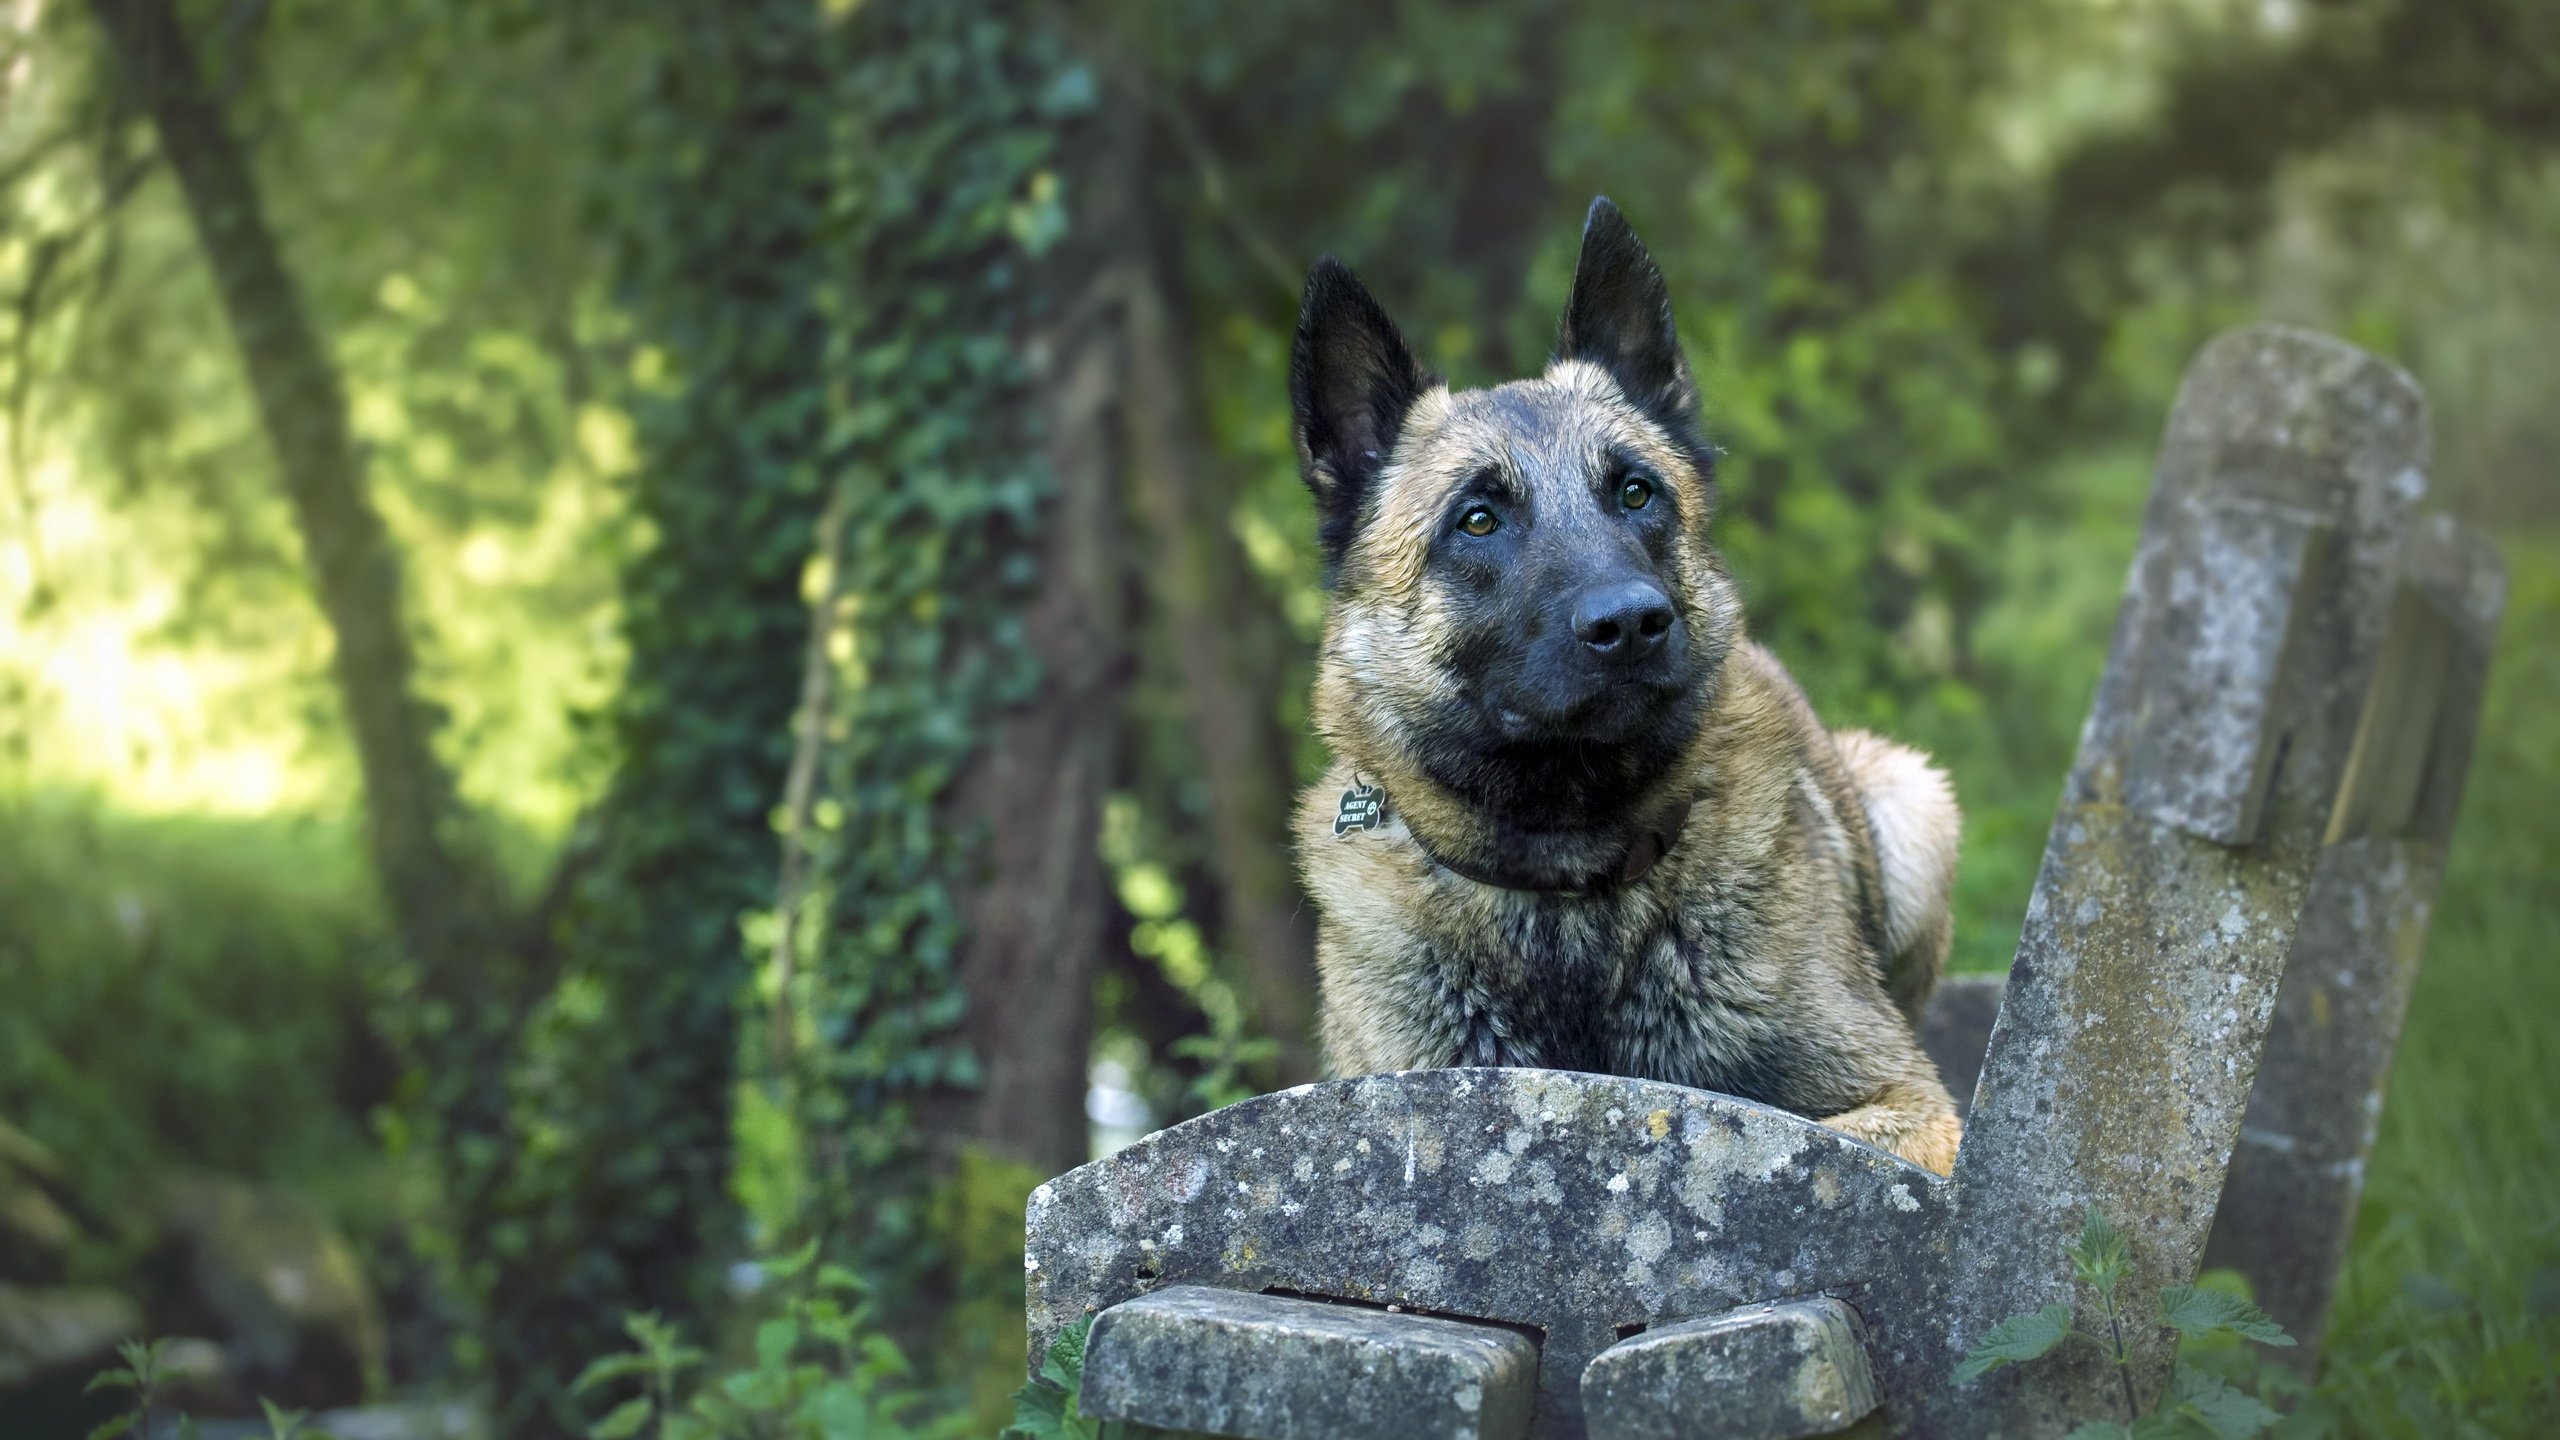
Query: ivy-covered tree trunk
[[629, 1082], [955, 906]]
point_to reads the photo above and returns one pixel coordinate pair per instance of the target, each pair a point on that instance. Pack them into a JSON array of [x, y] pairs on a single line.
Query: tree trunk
[[1036, 786], [441, 899], [1223, 631]]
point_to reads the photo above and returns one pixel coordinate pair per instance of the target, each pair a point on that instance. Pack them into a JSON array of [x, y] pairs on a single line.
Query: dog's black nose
[[1623, 620]]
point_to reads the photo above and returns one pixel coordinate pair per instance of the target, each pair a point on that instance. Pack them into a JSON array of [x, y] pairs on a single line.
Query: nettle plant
[[2198, 1401], [820, 1370], [146, 1373], [1046, 1409]]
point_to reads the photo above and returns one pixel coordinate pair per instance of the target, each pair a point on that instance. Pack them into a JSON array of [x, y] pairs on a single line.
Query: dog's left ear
[[1619, 318]]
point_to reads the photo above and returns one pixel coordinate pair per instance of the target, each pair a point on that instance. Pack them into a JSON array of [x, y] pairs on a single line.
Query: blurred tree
[[444, 898], [621, 1190], [585, 1162]]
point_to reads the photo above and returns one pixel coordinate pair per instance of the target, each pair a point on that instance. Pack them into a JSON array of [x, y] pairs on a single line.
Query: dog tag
[[1364, 807]]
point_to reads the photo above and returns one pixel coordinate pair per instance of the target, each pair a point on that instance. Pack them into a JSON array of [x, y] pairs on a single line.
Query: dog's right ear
[[1351, 383]]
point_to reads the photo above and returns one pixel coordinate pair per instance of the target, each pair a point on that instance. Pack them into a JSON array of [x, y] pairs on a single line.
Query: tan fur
[[1911, 813], [1784, 940]]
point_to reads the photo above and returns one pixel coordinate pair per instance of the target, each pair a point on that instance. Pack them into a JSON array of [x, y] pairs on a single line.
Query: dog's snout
[[1624, 620]]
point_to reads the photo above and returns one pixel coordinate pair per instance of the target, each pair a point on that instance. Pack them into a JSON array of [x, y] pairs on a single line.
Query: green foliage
[[819, 1370], [2018, 1338], [2197, 1311], [2198, 1402], [1046, 1408], [183, 993], [2098, 1257], [145, 1374]]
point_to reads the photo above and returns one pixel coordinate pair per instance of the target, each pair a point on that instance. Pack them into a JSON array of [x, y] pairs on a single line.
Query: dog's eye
[[1634, 491], [1479, 521]]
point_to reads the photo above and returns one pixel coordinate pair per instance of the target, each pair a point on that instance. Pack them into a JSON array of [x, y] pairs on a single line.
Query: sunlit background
[[834, 490]]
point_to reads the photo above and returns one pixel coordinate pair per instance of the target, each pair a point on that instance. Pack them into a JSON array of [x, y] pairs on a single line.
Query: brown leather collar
[[1639, 860]]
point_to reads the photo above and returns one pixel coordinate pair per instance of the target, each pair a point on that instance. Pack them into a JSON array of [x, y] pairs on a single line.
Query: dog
[[1575, 819]]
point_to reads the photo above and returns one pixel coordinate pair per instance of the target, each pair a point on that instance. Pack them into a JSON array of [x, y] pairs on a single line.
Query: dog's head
[[1526, 611]]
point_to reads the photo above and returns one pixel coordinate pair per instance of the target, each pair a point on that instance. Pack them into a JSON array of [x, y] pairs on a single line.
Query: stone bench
[[2241, 866]]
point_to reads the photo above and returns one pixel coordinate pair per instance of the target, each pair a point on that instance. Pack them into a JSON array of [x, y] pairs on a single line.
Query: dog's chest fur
[[1711, 971]]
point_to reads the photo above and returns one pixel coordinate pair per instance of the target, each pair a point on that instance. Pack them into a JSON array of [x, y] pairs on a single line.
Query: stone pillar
[[2289, 1204], [2183, 850]]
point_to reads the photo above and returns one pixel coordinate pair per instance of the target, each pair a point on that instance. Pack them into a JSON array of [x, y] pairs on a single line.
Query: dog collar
[[1364, 807]]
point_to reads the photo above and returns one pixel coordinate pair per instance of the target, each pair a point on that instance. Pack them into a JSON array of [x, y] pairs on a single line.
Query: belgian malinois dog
[[1575, 819]]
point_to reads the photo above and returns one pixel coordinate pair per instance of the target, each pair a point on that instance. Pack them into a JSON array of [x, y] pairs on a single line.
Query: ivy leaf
[[2020, 1337], [2195, 1311], [625, 1421], [2210, 1401], [2098, 1256]]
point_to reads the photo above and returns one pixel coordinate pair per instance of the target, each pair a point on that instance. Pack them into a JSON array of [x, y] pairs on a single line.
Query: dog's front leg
[[1916, 1122]]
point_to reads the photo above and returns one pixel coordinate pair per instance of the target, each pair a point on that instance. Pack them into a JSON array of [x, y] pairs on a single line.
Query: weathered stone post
[[1488, 1254], [2183, 849], [2289, 1204]]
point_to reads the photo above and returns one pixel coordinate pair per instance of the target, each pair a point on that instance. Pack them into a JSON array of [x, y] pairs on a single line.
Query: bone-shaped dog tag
[[1364, 807]]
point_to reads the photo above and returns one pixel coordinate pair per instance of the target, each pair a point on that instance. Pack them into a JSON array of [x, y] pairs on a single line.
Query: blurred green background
[[635, 634]]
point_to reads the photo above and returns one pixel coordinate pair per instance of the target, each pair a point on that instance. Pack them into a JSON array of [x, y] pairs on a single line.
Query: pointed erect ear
[[1619, 318], [1351, 382]]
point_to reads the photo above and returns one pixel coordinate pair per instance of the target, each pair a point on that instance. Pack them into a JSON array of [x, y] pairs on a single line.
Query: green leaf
[[610, 1367], [282, 1424], [1039, 1413], [2195, 1311], [775, 1340], [120, 1378], [2209, 1401], [626, 1420], [2100, 1430], [783, 1267], [1064, 1364], [2098, 1256], [110, 1429], [2018, 1338], [1045, 1409]]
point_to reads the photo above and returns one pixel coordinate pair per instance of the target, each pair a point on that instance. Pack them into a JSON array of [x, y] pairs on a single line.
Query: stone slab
[[1956, 1030], [1777, 1371], [1264, 1367], [2289, 1203], [1577, 1206]]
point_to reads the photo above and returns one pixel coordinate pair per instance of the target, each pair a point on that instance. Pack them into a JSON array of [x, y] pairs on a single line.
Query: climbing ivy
[[949, 196], [617, 1192]]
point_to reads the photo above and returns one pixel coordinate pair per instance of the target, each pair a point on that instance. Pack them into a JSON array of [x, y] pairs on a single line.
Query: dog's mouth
[[1614, 711], [1587, 767]]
